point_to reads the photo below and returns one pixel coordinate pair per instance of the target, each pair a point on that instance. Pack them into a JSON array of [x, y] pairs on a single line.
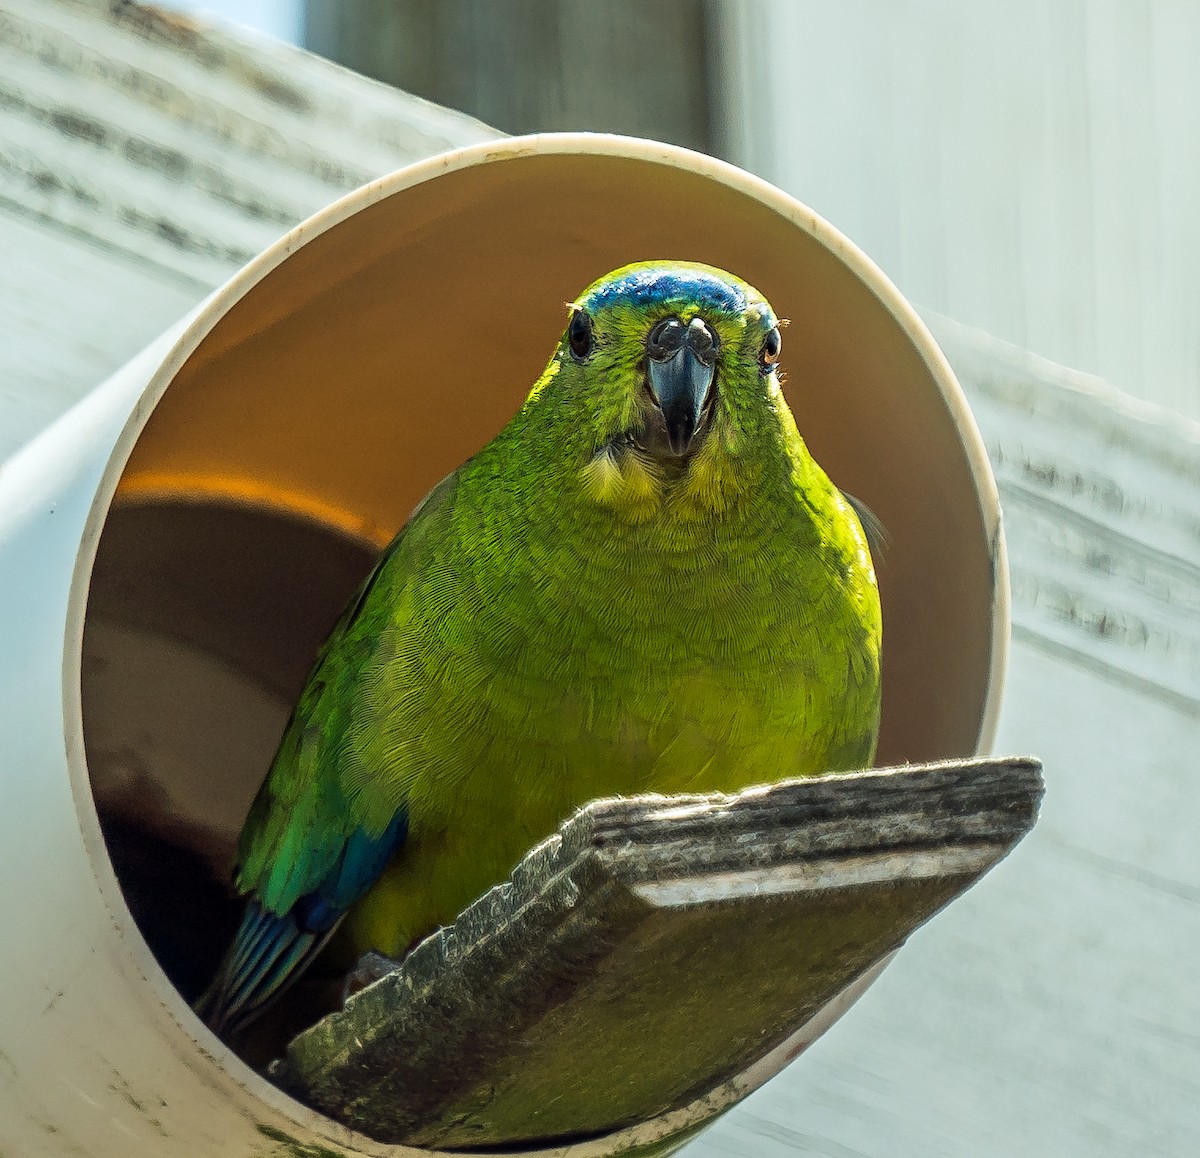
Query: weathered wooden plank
[[1051, 1010], [652, 950]]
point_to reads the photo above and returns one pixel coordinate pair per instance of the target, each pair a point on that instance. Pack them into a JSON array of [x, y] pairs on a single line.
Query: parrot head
[[665, 378]]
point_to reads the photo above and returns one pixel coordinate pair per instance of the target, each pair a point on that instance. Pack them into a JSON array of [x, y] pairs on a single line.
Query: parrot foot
[[370, 968]]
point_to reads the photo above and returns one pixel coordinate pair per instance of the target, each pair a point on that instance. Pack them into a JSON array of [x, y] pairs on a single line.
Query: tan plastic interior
[[305, 426]]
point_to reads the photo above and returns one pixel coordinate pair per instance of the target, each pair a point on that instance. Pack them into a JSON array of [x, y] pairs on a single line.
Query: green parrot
[[644, 583]]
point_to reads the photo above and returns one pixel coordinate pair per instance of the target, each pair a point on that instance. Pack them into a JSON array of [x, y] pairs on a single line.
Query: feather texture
[[577, 611]]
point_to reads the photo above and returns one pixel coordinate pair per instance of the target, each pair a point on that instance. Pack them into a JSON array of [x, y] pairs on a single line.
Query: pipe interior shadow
[[203, 620]]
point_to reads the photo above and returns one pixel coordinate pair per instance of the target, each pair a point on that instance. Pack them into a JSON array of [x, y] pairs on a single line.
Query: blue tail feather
[[266, 953], [271, 949]]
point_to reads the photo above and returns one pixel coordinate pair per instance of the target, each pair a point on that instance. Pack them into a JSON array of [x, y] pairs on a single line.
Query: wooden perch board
[[652, 950]]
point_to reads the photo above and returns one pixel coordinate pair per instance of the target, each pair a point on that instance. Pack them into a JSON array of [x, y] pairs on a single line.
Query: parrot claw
[[370, 968]]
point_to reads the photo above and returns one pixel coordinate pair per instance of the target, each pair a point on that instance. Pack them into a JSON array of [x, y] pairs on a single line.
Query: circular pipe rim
[[192, 332]]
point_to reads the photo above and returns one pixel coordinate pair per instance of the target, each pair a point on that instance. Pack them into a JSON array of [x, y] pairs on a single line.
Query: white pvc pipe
[[299, 391]]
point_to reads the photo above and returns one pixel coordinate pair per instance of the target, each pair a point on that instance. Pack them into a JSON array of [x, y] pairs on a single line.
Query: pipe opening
[[344, 377]]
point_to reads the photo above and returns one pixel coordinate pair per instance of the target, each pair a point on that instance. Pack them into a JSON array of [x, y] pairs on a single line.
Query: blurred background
[[1037, 157]]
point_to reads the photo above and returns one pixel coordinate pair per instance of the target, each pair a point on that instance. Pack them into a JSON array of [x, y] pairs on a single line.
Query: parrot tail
[[271, 949], [268, 952]]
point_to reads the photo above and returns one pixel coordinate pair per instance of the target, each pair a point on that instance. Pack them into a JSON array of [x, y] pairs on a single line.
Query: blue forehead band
[[647, 287]]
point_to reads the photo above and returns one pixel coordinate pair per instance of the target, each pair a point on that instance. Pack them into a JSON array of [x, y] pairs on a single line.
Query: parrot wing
[[308, 851], [875, 531]]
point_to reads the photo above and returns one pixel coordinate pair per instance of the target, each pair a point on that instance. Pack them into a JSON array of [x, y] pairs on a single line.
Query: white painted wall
[[1029, 168]]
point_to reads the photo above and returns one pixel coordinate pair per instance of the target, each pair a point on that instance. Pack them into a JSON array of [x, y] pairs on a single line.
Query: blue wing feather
[[362, 860], [306, 854]]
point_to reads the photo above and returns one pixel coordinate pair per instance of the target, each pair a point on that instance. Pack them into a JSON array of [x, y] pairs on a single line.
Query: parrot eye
[[579, 335], [769, 354]]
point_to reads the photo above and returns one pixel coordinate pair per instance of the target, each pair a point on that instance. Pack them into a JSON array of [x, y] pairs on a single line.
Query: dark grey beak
[[681, 365]]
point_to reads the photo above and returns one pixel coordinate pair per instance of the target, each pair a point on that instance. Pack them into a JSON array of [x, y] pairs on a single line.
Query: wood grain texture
[[651, 951]]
